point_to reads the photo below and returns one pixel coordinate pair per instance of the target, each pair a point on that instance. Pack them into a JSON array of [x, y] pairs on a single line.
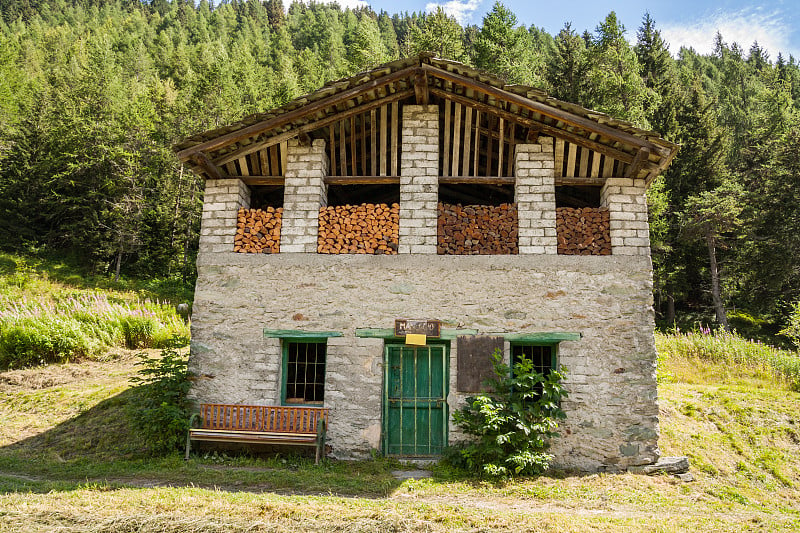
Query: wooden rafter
[[208, 167], [287, 118], [638, 163], [543, 109], [311, 126], [537, 126]]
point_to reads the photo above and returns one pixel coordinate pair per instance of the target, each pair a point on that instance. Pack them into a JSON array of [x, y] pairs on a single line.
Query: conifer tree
[[366, 47], [438, 33], [568, 68], [498, 44], [616, 87]]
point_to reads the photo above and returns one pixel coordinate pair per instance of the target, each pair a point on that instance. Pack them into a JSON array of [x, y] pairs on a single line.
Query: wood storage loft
[[488, 215]]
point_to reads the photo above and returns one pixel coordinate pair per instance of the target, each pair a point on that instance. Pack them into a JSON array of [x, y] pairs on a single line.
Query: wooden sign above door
[[407, 326]]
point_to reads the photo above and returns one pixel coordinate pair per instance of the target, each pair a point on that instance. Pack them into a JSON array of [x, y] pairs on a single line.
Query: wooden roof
[[426, 79]]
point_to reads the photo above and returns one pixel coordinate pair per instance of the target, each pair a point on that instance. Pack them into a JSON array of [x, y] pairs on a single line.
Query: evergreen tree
[[366, 48], [657, 69], [616, 87], [568, 68], [388, 36], [498, 44], [437, 33]]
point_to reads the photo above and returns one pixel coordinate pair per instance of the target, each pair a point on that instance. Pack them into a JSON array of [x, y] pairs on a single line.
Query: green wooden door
[[415, 402]]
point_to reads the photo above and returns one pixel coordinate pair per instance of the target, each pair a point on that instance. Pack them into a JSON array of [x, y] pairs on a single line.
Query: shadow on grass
[[100, 448]]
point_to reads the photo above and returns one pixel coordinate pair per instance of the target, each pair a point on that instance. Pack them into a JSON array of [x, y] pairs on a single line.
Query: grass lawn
[[69, 461]]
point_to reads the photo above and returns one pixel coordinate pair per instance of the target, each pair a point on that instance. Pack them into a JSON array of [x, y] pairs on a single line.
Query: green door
[[415, 403]]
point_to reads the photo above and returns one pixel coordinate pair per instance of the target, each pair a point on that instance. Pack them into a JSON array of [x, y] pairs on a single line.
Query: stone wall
[[626, 199], [419, 179], [611, 411], [221, 203], [535, 195], [304, 193]]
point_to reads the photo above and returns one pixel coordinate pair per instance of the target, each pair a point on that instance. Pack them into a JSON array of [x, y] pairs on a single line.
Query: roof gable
[[425, 79]]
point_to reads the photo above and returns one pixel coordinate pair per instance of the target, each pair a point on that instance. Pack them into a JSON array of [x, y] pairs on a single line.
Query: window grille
[[542, 356], [305, 372]]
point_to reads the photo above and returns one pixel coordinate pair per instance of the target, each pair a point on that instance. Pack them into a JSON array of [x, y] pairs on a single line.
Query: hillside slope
[[69, 460]]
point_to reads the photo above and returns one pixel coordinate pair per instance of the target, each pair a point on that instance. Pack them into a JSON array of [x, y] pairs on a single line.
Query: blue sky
[[774, 24]]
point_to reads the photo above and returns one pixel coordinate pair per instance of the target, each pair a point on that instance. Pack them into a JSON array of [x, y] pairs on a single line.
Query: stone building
[[426, 190]]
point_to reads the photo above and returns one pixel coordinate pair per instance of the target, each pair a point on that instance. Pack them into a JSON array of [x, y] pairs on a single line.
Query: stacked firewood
[[258, 231], [359, 229], [583, 231], [477, 229]]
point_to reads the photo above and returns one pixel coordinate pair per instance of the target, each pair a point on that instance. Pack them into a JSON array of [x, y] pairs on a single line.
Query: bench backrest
[[269, 418]]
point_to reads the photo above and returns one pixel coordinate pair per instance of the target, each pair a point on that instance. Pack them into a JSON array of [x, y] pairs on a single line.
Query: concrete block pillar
[[304, 193], [535, 194], [419, 179], [626, 201], [221, 203]]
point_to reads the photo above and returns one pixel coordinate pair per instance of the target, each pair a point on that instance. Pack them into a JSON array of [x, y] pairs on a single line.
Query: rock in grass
[[665, 465]]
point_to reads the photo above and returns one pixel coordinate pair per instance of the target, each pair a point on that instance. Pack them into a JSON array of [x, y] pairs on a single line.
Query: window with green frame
[[304, 371]]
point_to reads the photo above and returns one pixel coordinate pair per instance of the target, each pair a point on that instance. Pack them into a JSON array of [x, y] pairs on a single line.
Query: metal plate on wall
[[474, 364]]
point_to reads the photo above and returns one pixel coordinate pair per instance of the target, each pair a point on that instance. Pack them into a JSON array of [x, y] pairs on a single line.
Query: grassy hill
[[48, 313], [70, 461]]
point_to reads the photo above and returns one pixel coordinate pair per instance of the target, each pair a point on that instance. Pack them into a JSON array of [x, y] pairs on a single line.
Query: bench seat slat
[[252, 436]]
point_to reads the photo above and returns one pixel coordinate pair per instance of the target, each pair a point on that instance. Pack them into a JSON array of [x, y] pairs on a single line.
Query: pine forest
[[94, 93]]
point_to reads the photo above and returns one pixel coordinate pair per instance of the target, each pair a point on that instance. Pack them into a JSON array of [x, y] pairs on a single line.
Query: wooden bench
[[254, 424]]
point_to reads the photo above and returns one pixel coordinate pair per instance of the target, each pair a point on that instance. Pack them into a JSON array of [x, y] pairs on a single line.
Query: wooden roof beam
[[539, 126], [421, 87], [202, 160], [554, 113], [638, 163], [320, 123], [286, 118], [593, 182], [362, 180], [262, 180]]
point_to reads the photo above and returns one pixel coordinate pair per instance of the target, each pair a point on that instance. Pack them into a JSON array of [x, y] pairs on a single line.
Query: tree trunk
[[716, 296], [188, 238], [176, 217], [119, 265], [671, 310]]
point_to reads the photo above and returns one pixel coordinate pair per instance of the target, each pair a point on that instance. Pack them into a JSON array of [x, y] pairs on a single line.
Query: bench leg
[[188, 446], [321, 431]]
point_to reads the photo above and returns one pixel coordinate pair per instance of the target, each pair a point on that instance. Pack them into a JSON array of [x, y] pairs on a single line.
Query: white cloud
[[352, 4], [461, 10], [770, 29]]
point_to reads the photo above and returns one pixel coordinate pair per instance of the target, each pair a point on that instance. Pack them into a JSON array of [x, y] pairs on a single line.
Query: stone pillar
[[221, 203], [535, 194], [626, 201], [304, 193], [419, 179]]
